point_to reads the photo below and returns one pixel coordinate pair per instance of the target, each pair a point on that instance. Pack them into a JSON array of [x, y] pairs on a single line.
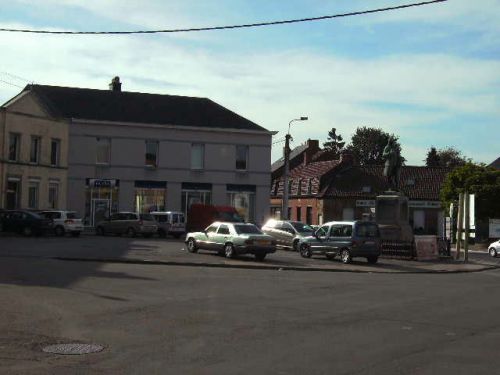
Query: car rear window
[[247, 229], [367, 230], [146, 217], [72, 215], [302, 228]]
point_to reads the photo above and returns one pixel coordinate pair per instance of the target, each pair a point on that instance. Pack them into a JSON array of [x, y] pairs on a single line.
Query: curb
[[257, 267]]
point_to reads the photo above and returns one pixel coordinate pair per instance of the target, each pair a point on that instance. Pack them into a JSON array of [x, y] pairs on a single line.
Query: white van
[[170, 222]]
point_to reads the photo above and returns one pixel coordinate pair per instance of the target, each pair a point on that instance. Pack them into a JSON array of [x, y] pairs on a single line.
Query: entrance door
[[101, 208], [12, 195]]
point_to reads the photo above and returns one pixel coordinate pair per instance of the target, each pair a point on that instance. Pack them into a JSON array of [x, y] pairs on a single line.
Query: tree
[[334, 142], [476, 179], [367, 145], [445, 157], [432, 159]]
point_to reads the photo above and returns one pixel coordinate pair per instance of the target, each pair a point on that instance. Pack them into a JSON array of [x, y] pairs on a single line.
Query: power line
[[248, 25], [16, 77], [10, 83]]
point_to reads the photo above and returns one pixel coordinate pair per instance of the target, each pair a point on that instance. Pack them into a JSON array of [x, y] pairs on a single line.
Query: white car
[[494, 248], [170, 222], [64, 222]]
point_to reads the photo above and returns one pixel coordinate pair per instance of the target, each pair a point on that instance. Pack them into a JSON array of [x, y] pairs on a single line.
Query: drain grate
[[73, 349]]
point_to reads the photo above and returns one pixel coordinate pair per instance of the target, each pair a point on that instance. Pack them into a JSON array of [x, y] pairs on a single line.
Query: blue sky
[[430, 75]]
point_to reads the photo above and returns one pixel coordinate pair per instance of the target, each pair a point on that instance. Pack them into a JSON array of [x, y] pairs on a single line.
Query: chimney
[[311, 150], [115, 84]]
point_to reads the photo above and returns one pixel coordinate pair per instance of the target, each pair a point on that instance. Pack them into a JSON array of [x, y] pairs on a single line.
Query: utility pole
[[467, 226], [459, 223], [286, 156]]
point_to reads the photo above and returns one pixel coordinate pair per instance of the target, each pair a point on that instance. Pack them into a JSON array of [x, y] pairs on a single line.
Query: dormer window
[[309, 187], [299, 188], [410, 182], [367, 189]]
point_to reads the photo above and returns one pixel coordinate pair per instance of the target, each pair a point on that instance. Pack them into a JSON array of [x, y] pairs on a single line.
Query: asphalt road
[[156, 319]]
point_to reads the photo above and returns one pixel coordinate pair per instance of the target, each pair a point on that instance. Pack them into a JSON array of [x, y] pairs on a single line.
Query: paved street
[[193, 319]]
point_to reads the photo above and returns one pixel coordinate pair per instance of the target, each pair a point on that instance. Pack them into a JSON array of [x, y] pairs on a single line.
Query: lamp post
[[286, 151]]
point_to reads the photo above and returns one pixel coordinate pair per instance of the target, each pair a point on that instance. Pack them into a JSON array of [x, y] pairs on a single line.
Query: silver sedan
[[494, 248]]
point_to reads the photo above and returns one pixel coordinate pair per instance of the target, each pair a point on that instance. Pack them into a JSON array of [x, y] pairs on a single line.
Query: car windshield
[[71, 215], [247, 229], [146, 217], [302, 228], [367, 230]]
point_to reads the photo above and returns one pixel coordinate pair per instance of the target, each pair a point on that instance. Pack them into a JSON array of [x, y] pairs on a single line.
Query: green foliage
[[475, 179], [367, 145], [334, 142], [445, 157]]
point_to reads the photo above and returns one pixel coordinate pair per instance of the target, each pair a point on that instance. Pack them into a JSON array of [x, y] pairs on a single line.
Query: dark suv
[[25, 222], [287, 233], [348, 239]]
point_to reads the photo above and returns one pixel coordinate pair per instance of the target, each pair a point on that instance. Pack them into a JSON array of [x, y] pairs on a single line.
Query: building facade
[[144, 152], [33, 156]]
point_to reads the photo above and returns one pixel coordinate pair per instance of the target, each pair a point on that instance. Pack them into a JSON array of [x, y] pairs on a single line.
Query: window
[[197, 156], [53, 194], [33, 189], [309, 187], [35, 150], [13, 193], [323, 231], [241, 157], [103, 150], [14, 145], [151, 154], [290, 184], [244, 202], [223, 229], [212, 228], [299, 213], [55, 150]]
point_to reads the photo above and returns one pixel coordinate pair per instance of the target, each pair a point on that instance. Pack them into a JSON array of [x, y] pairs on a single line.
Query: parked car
[[231, 239], [25, 222], [129, 223], [170, 223], [64, 222], [348, 239], [287, 233], [494, 248]]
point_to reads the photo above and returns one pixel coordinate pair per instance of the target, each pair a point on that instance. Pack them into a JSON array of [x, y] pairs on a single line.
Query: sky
[[430, 75]]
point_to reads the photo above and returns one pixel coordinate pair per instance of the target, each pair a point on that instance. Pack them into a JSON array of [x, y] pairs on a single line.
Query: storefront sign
[[100, 183], [365, 203]]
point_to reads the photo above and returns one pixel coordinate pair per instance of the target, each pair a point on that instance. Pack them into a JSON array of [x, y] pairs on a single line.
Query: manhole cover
[[73, 349]]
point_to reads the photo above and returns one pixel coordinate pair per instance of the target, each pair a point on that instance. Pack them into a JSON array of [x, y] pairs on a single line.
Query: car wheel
[[260, 257], [131, 232], [345, 256], [330, 256], [75, 234], [492, 252], [191, 246], [305, 251], [372, 259], [295, 246], [27, 231], [229, 250], [59, 231]]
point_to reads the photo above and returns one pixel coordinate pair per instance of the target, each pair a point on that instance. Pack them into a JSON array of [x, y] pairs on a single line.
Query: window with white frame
[[241, 157], [35, 149], [33, 191], [197, 156], [14, 146], [103, 151]]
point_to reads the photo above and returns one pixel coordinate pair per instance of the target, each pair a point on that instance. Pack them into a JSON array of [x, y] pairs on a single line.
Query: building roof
[[495, 164], [314, 169], [294, 153], [136, 107], [417, 183]]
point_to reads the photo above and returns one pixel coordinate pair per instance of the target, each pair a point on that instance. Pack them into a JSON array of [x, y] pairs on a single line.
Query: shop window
[[33, 190], [244, 203], [55, 151], [193, 197], [151, 154], [241, 157], [197, 156], [103, 150], [150, 199], [14, 146], [35, 149]]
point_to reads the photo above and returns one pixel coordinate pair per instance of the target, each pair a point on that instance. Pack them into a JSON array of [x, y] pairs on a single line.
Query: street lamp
[[284, 208]]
